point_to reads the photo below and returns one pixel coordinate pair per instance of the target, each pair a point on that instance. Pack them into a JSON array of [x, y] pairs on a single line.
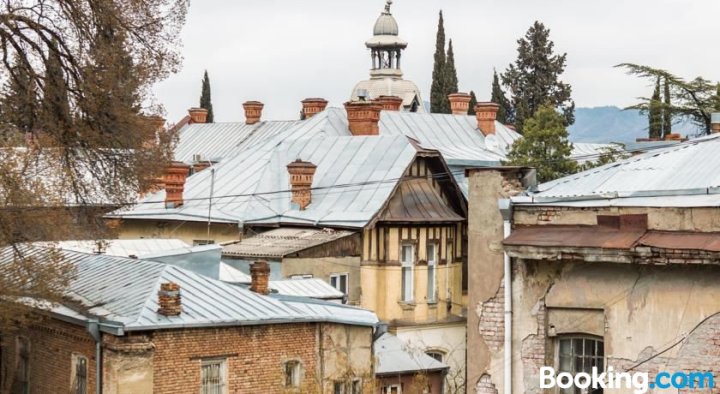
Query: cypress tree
[[473, 102], [438, 97], [19, 101], [450, 72], [655, 116], [667, 110], [497, 96], [55, 107], [533, 80], [206, 99]]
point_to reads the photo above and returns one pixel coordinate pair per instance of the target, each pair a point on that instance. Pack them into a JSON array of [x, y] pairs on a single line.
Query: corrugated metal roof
[[215, 141], [394, 357], [417, 200], [311, 287], [123, 247], [283, 241], [686, 169], [125, 291]]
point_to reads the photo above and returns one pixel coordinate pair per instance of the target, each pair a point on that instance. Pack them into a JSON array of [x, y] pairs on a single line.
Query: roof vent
[[260, 276], [459, 103], [390, 103], [313, 106], [363, 117], [198, 115], [174, 179], [486, 113], [301, 174], [253, 111], [169, 299]]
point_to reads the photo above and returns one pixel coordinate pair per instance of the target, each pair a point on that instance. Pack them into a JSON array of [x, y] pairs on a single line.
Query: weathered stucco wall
[[185, 231], [325, 266], [346, 354], [644, 310]]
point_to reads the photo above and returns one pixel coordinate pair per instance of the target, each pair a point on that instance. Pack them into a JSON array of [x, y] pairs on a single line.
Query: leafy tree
[[450, 71], [473, 102], [88, 67], [497, 96], [534, 79], [695, 99], [206, 98], [667, 110], [655, 114], [438, 97], [544, 146]]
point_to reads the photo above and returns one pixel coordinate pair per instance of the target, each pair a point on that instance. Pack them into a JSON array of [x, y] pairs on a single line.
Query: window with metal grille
[[575, 354], [407, 258], [79, 374], [292, 373], [213, 377]]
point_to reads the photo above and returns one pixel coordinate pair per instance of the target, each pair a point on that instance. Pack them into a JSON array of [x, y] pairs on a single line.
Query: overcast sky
[[281, 51]]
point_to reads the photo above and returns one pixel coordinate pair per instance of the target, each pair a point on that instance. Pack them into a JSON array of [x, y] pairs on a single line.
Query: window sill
[[407, 305], [432, 304]]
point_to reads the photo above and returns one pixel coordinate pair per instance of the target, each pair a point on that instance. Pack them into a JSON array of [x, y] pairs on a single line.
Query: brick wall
[[255, 356], [492, 320], [52, 345]]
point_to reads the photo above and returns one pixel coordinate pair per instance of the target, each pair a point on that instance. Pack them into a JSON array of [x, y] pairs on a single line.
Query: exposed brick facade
[[492, 320]]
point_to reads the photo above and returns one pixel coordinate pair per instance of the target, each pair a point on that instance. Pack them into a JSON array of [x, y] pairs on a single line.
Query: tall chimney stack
[[169, 299], [253, 111], [390, 103], [260, 277], [198, 115], [313, 106], [715, 122], [486, 114], [301, 174], [363, 117], [459, 103], [174, 179]]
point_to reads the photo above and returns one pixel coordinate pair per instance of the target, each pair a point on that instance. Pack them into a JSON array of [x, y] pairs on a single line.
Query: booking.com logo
[[617, 380]]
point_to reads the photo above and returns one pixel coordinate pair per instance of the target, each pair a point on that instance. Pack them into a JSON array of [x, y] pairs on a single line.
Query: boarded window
[[79, 374], [213, 377]]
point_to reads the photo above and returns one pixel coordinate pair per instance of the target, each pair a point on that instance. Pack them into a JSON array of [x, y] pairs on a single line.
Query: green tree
[[667, 109], [655, 114], [206, 98], [497, 96], [450, 71], [544, 146], [534, 81], [473, 103], [695, 99], [438, 97]]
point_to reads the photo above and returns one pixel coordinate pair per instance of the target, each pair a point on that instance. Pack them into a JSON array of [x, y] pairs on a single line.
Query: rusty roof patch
[[575, 236], [682, 240]]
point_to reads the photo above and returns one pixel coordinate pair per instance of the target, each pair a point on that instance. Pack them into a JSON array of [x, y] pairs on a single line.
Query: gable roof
[[394, 357], [682, 175], [124, 291], [417, 200]]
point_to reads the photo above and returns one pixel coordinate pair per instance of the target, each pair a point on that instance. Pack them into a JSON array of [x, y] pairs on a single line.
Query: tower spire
[[387, 6]]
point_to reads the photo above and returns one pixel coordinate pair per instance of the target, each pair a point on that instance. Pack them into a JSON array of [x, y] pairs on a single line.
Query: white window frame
[[407, 268], [301, 276], [432, 269], [337, 277], [205, 365], [295, 377], [572, 338]]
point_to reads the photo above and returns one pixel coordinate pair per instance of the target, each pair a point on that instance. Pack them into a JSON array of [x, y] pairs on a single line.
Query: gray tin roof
[[124, 292], [394, 357], [682, 175], [281, 242]]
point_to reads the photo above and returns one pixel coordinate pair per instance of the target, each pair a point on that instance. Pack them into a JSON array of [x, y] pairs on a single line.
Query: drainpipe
[[93, 327], [505, 206]]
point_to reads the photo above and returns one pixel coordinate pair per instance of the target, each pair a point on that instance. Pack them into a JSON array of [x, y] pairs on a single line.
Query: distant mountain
[[612, 124]]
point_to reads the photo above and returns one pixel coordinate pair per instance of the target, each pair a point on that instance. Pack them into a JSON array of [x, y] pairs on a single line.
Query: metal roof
[[281, 242], [124, 291], [123, 247], [656, 178], [417, 200], [311, 287], [394, 357]]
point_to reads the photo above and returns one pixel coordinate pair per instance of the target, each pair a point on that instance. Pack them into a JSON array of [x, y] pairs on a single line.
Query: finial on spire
[[387, 6]]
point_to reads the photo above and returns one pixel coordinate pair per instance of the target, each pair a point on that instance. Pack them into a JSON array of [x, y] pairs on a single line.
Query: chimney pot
[[260, 274], [486, 113], [253, 111], [363, 117], [459, 103], [198, 115], [169, 299], [715, 122], [313, 106], [390, 103], [301, 174], [174, 179]]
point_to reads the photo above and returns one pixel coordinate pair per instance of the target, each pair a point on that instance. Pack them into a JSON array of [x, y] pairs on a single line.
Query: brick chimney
[[253, 111], [260, 277], [390, 103], [198, 115], [301, 175], [174, 180], [169, 299], [715, 122], [486, 113], [363, 117], [313, 106], [459, 103]]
